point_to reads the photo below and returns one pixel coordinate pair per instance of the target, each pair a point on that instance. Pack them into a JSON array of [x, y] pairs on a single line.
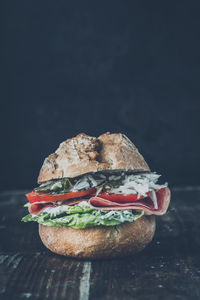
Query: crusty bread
[[83, 154], [80, 155], [99, 242]]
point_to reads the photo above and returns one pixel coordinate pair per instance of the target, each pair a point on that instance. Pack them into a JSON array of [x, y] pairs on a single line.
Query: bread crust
[[83, 154], [99, 242]]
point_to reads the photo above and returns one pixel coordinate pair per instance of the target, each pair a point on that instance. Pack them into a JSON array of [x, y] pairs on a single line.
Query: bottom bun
[[99, 242]]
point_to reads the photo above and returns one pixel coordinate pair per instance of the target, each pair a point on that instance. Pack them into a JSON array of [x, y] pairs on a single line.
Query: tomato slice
[[41, 197], [120, 198]]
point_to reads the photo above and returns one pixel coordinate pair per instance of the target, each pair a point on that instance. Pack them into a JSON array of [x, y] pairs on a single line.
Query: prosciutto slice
[[146, 204], [37, 208]]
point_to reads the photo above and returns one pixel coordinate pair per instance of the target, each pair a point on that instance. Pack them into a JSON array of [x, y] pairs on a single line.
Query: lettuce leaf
[[84, 216]]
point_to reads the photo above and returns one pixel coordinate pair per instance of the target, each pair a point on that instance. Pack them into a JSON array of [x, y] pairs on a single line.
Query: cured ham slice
[[37, 208], [146, 204]]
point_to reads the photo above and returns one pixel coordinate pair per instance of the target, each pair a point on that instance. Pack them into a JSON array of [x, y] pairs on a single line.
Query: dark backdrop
[[121, 66]]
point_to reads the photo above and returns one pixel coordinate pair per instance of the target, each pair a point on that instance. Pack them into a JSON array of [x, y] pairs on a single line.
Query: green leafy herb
[[171, 207], [104, 180], [83, 216], [55, 186]]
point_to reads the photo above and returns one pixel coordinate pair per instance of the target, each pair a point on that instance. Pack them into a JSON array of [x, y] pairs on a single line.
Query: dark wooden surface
[[169, 268]]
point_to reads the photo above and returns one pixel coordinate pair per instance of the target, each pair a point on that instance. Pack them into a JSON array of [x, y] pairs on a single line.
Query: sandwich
[[97, 198]]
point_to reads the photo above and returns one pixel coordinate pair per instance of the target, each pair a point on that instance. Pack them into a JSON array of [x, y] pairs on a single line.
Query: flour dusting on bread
[[83, 154]]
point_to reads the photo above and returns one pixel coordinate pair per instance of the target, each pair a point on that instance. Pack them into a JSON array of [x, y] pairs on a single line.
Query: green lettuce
[[83, 216]]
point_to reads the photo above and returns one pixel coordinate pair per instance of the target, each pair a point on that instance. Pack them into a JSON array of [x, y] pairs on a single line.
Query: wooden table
[[169, 268]]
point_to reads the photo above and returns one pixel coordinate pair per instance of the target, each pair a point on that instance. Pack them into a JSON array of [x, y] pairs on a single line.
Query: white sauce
[[120, 215], [57, 210], [87, 182], [56, 185], [83, 203], [154, 199], [138, 184]]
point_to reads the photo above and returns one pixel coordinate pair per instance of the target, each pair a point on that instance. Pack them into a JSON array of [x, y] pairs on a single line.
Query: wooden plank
[[40, 276], [169, 268]]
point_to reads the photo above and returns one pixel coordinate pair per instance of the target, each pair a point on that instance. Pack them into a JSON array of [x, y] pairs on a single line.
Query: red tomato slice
[[40, 197], [120, 198]]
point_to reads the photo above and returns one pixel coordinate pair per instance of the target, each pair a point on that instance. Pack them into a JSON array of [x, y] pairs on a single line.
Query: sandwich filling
[[105, 198]]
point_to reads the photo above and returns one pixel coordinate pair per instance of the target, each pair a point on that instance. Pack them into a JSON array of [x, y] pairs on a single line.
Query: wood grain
[[169, 268]]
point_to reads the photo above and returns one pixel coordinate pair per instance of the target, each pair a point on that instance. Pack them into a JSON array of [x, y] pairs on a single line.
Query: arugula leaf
[[53, 187]]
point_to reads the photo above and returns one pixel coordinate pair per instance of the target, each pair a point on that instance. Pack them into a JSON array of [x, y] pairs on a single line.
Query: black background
[[119, 66]]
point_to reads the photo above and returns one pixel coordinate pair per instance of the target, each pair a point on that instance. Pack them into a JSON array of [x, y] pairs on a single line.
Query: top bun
[[83, 154]]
